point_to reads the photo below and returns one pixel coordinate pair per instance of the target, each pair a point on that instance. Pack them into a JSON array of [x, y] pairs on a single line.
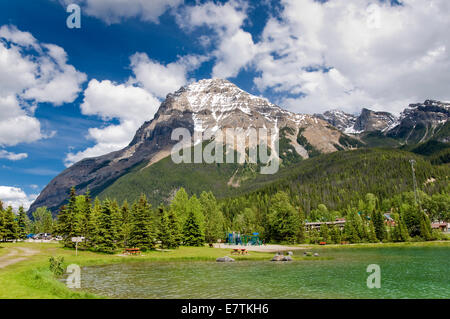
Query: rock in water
[[225, 259]]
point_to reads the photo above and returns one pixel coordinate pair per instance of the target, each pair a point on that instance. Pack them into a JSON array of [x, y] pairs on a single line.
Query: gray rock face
[[373, 121], [225, 259], [422, 121], [418, 123], [339, 119], [206, 105]]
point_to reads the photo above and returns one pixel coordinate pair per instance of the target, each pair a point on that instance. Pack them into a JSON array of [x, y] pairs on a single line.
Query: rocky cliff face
[[418, 123], [374, 121], [212, 105], [342, 121], [422, 121], [367, 121]]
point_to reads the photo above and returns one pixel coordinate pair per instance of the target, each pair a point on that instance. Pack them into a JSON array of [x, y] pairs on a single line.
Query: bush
[[56, 265]]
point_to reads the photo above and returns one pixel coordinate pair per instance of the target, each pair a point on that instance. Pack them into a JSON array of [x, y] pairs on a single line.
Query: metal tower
[[413, 162]]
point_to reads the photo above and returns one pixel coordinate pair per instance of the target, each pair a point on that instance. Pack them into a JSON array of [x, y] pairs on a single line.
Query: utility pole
[[414, 179]]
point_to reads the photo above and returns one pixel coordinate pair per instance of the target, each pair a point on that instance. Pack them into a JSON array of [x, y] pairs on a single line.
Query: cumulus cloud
[[352, 54], [160, 79], [12, 156], [131, 103], [235, 48], [115, 11], [16, 197], [30, 73]]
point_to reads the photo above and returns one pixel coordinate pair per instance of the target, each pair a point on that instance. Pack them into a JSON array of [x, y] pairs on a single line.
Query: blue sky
[[85, 94]]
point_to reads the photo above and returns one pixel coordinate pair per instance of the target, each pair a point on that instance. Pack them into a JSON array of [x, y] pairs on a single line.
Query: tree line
[[193, 221]]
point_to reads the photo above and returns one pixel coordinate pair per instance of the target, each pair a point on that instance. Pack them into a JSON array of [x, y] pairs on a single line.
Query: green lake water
[[407, 272]]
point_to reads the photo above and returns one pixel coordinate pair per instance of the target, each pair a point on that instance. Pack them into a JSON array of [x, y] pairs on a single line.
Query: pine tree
[[71, 222], [371, 233], [399, 231], [175, 227], [11, 226], [22, 224], [193, 234], [85, 209], [284, 221], [107, 233], [93, 225], [214, 221], [127, 221], [165, 233], [142, 231], [2, 223], [351, 233], [425, 227], [179, 204], [378, 223]]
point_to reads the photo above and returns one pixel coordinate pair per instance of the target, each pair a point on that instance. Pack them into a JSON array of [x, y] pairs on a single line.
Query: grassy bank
[[31, 278]]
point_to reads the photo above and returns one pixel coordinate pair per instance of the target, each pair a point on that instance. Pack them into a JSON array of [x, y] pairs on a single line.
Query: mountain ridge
[[212, 104]]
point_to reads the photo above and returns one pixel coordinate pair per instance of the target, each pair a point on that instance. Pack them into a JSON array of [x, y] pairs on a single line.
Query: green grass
[[33, 280]]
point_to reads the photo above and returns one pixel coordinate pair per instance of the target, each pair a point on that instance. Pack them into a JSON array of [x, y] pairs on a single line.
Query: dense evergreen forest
[[361, 186]]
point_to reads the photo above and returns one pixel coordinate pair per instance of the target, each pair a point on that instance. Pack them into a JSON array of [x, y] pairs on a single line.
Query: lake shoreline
[[31, 278]]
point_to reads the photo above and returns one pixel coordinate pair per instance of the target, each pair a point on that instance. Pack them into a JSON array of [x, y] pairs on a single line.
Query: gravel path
[[262, 248], [16, 255]]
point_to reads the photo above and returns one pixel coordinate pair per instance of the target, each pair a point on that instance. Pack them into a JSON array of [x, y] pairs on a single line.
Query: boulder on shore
[[225, 259], [278, 258]]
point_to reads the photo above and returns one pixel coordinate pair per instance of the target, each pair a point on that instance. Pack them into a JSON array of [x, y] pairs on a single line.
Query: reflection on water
[[405, 273]]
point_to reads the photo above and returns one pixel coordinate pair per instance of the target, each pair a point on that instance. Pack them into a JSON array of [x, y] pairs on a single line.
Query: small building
[[442, 226], [340, 222]]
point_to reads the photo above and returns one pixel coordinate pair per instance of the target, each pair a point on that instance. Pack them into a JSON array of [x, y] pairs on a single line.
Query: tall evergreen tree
[[284, 220], [127, 223], [166, 234], [378, 223], [107, 234], [193, 234], [11, 226], [214, 221], [22, 223], [142, 231], [399, 232], [93, 225]]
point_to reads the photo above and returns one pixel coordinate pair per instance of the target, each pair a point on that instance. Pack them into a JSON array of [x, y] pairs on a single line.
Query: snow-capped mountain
[[417, 123], [367, 121], [212, 104], [344, 122], [420, 122]]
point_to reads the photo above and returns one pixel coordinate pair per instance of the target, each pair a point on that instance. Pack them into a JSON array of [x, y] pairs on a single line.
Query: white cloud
[[12, 156], [16, 197], [380, 56], [235, 48], [31, 72], [115, 11], [129, 104], [159, 79]]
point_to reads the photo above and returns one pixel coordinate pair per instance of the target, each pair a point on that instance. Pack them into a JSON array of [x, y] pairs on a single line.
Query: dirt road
[[17, 254]]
